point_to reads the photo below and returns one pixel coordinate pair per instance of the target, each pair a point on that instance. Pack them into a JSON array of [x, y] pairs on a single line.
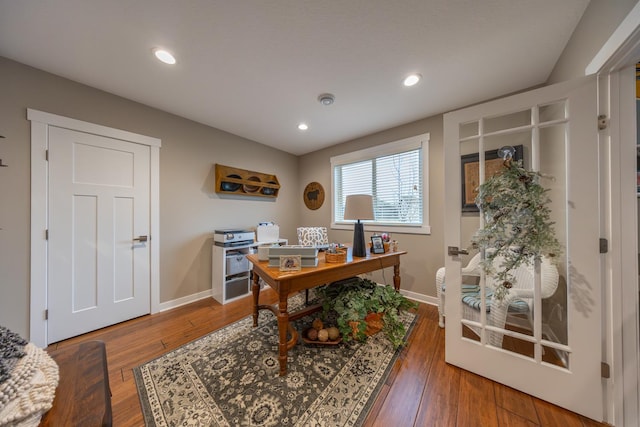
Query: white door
[[98, 259], [552, 350]]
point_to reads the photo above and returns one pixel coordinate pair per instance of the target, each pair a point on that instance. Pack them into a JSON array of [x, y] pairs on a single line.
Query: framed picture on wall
[[470, 169]]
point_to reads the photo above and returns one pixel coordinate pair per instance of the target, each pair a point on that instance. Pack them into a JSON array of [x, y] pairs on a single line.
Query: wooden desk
[[287, 282], [83, 397]]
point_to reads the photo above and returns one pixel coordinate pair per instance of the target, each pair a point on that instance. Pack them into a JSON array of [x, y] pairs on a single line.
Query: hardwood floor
[[421, 391]]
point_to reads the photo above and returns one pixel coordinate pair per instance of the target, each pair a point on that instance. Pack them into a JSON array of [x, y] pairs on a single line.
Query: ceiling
[[255, 68]]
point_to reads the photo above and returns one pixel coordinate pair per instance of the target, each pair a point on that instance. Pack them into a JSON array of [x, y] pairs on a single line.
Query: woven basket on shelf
[[341, 256]]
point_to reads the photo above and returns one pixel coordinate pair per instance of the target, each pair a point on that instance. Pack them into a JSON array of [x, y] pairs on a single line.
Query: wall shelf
[[244, 182]]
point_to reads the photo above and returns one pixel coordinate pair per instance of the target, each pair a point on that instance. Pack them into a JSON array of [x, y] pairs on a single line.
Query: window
[[395, 175]]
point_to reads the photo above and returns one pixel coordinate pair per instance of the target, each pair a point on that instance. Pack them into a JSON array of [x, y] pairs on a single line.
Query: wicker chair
[[519, 299], [471, 270]]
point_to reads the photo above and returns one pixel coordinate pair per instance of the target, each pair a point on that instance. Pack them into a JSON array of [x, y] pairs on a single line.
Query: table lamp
[[358, 206]]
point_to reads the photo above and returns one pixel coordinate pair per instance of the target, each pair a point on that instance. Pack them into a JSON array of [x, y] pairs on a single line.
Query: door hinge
[[605, 370], [46, 314], [604, 246], [603, 122], [46, 155], [46, 234]]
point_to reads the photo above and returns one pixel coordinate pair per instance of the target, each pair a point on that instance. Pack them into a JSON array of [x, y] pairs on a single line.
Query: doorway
[[44, 127]]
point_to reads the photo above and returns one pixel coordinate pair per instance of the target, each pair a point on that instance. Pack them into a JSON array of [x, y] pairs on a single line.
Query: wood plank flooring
[[422, 389]]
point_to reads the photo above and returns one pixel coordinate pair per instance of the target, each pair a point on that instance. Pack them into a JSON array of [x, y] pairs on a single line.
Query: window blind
[[394, 180]]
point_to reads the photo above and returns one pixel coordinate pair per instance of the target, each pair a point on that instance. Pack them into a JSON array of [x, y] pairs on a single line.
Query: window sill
[[384, 228]]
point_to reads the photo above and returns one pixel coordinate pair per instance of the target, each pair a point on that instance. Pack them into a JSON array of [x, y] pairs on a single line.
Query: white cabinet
[[231, 271]]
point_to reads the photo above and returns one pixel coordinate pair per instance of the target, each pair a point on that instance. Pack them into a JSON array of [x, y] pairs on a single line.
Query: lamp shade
[[359, 206]]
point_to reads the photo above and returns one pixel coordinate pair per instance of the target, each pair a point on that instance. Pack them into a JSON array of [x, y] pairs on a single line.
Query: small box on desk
[[308, 255], [268, 233]]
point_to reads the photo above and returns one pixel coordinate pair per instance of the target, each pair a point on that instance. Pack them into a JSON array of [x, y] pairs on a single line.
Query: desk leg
[[283, 325], [255, 289], [396, 277]]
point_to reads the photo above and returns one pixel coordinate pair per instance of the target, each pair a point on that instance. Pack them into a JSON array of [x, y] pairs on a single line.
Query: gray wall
[[189, 208], [599, 21], [424, 251]]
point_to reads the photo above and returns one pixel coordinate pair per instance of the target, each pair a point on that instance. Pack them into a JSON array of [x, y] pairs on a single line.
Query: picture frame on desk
[[290, 262], [377, 245]]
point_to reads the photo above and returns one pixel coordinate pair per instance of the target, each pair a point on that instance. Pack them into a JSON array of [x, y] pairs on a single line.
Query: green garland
[[518, 226]]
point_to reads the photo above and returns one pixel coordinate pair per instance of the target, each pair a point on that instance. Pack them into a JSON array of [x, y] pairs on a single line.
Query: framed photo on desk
[[377, 245], [290, 262]]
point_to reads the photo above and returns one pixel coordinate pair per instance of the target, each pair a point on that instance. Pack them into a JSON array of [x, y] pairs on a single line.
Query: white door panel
[[98, 204], [554, 350]]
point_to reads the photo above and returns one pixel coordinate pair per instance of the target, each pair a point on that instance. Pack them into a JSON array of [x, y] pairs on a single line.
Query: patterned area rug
[[230, 378]]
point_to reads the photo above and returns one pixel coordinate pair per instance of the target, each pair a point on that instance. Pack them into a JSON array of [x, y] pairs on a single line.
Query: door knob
[[140, 239], [453, 251]]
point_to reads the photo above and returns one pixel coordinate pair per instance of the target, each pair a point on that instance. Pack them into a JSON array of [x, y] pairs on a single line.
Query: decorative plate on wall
[[313, 195]]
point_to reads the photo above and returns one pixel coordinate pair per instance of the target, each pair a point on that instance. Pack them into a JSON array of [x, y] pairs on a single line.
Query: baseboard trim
[[164, 306], [168, 305], [420, 297]]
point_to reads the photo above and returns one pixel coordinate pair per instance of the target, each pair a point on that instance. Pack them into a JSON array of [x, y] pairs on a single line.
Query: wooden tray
[[328, 342]]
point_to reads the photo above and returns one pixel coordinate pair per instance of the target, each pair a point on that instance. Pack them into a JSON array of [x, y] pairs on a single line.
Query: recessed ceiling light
[[412, 79], [164, 56], [303, 126]]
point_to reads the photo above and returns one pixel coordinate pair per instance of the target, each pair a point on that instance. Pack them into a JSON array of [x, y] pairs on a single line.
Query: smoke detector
[[326, 99]]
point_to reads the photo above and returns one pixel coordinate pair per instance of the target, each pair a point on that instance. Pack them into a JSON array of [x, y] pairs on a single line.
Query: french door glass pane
[[552, 164], [543, 147], [552, 112], [469, 222], [468, 130], [508, 121]]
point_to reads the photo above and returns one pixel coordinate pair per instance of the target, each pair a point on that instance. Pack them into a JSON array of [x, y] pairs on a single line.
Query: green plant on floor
[[354, 300]]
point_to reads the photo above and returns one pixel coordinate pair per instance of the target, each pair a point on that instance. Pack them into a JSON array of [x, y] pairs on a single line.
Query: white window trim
[[407, 144]]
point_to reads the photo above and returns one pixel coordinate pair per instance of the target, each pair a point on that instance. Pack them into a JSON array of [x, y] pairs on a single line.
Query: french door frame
[[614, 66]]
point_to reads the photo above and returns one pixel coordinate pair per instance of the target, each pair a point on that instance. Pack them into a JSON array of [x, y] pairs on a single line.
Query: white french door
[[553, 350]]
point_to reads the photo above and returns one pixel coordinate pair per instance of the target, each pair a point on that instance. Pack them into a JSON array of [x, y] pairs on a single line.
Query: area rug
[[230, 378]]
